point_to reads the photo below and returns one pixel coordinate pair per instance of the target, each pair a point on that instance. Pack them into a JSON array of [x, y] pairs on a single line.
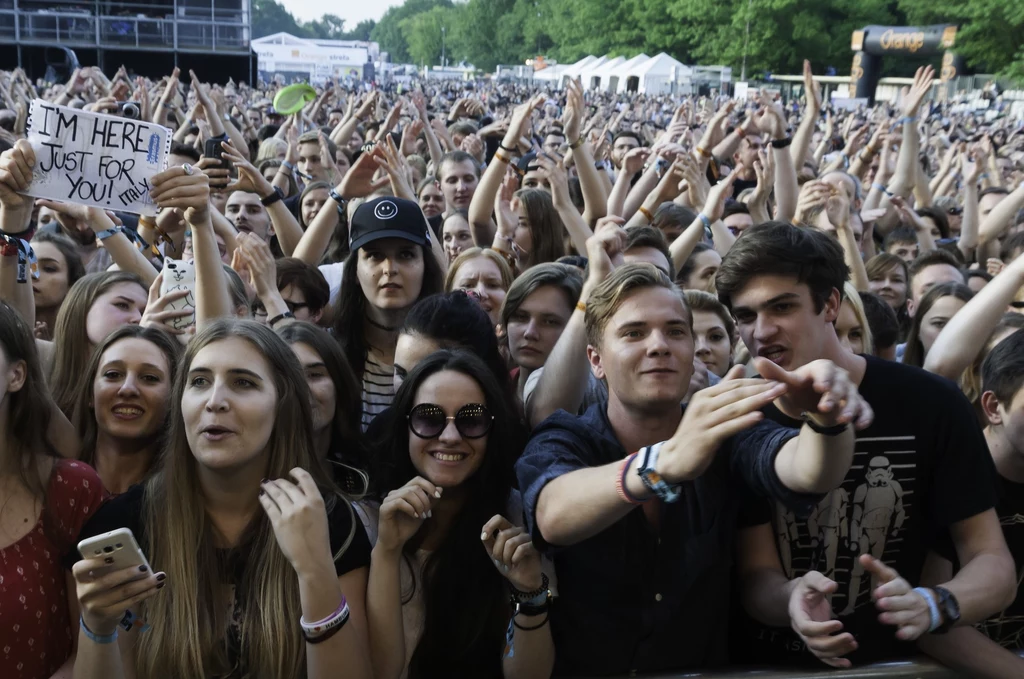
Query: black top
[[126, 511], [922, 465], [632, 598], [1007, 628]]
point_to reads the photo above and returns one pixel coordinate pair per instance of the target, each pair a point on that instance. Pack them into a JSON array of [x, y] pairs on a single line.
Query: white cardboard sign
[[95, 159]]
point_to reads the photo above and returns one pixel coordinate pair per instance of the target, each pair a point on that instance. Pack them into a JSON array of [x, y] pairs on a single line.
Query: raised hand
[[299, 518], [813, 194], [403, 512], [810, 616], [913, 97], [185, 188], [397, 167], [573, 113], [512, 551], [257, 260], [605, 248], [16, 175], [714, 206], [358, 182]]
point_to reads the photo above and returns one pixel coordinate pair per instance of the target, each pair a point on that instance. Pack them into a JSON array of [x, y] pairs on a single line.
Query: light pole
[[443, 64], [746, 43]]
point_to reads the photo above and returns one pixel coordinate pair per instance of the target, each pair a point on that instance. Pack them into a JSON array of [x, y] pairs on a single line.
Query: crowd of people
[[691, 382]]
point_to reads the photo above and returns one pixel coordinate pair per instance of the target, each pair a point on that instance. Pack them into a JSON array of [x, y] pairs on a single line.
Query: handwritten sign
[[95, 159]]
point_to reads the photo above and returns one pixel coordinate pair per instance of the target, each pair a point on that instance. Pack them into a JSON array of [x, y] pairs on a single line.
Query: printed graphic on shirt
[[865, 515]]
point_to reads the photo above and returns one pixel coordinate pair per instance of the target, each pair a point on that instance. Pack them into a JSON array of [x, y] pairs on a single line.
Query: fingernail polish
[[483, 536], [161, 577], [262, 492], [161, 585], [437, 493]]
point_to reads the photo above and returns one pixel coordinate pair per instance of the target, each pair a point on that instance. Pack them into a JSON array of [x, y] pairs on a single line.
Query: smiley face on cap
[[385, 209]]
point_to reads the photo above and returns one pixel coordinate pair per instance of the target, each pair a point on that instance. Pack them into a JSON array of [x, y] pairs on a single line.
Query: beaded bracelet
[[620, 484]]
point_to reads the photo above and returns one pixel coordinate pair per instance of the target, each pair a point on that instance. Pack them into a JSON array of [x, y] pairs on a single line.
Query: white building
[[292, 59]]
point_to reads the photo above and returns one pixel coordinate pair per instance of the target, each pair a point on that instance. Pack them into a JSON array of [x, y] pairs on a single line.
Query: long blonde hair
[[190, 620]]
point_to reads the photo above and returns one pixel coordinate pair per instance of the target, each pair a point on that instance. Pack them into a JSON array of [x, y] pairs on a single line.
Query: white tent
[[594, 77], [662, 75], [615, 80], [586, 63], [551, 74]]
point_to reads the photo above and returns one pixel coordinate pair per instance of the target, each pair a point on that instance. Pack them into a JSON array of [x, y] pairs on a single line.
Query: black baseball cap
[[387, 217]]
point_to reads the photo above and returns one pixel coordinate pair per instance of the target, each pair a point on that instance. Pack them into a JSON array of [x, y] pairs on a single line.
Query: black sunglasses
[[428, 420], [955, 211]]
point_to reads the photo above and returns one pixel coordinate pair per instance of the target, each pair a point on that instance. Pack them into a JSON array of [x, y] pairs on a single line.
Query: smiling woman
[[121, 412]]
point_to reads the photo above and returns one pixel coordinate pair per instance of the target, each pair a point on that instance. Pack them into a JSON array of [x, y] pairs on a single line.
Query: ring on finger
[[187, 168]]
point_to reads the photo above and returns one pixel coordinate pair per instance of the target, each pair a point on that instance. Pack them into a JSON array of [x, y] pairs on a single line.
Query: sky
[[352, 11]]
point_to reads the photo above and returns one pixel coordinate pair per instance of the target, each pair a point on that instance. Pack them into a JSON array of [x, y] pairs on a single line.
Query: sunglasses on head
[[428, 420]]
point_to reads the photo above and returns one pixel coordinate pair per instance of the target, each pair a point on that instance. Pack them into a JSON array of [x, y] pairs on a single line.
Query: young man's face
[[309, 162], [646, 351], [905, 251], [247, 214], [621, 147], [776, 318], [928, 277]]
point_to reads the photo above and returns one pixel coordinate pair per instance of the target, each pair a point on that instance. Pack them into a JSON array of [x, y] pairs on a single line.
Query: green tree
[[388, 31], [362, 30], [327, 27], [270, 16], [990, 34]]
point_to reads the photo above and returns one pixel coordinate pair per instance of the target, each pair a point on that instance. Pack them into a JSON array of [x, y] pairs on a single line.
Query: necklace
[[379, 325]]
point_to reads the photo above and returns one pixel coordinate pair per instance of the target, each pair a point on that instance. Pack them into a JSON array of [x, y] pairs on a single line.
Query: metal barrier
[[916, 668], [80, 28]]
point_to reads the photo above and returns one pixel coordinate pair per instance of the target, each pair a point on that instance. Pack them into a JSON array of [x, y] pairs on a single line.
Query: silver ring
[[188, 169]]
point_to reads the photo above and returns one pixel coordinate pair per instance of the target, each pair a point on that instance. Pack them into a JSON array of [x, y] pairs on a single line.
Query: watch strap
[[272, 198], [949, 607]]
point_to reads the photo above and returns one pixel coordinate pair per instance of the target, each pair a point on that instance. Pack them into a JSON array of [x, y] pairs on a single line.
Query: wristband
[[646, 213], [280, 317], [505, 148], [96, 638], [620, 484], [703, 152], [271, 199], [933, 608], [530, 598], [908, 119], [705, 220], [107, 233], [578, 143], [502, 157], [834, 430], [288, 166], [333, 620], [782, 143], [652, 479], [337, 198]]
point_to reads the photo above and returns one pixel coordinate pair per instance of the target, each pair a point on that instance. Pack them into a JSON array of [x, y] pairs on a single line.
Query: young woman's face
[[390, 273], [321, 387], [311, 204], [52, 286], [458, 183], [891, 286], [131, 389], [523, 237], [712, 344], [534, 328], [449, 459], [431, 200], [409, 351], [229, 403], [849, 329], [456, 236], [122, 304], [705, 267], [342, 163], [937, 318], [482, 277]]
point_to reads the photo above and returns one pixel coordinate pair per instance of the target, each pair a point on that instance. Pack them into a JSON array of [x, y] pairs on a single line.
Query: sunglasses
[[955, 211], [428, 420]]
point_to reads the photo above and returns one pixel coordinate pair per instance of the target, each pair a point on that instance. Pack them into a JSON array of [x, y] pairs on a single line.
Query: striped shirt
[[378, 386]]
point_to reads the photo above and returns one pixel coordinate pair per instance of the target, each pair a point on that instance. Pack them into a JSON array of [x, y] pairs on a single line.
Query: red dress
[[35, 632]]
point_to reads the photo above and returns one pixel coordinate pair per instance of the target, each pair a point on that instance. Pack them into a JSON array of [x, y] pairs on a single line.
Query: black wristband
[[520, 596], [505, 148], [530, 629], [280, 317], [781, 143], [834, 430], [338, 198], [272, 198]]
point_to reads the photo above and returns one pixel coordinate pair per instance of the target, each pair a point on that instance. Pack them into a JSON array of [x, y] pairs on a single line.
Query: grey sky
[[352, 11]]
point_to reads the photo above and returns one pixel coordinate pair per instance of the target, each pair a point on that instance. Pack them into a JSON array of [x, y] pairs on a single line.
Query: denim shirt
[[636, 599]]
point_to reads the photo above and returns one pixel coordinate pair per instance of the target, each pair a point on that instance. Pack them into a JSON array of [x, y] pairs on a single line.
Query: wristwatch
[[950, 609]]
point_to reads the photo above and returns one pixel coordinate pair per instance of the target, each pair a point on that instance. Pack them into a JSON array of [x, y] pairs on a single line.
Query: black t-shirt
[[922, 465], [1007, 628], [126, 511]]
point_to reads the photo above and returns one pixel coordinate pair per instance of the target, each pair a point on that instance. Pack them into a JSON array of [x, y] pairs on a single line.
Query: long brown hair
[[546, 228], [72, 348], [914, 354], [84, 417], [189, 623], [28, 419]]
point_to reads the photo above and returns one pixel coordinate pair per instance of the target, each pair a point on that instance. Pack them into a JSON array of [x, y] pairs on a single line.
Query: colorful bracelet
[[620, 484], [96, 638], [646, 213], [316, 632], [702, 151]]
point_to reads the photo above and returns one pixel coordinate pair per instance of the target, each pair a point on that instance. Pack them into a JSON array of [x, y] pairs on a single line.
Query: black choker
[[378, 325]]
